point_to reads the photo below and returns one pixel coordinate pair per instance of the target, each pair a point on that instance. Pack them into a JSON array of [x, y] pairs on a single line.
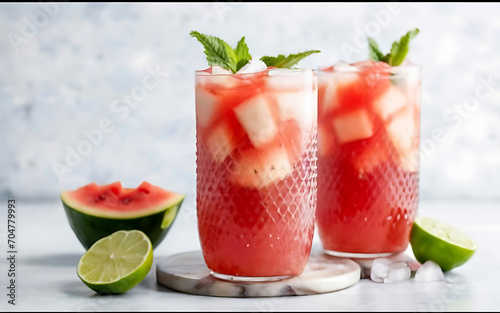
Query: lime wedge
[[444, 244], [116, 263]]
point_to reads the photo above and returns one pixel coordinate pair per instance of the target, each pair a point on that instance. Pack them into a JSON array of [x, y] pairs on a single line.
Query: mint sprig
[[288, 61], [220, 53], [375, 53], [242, 54], [399, 49]]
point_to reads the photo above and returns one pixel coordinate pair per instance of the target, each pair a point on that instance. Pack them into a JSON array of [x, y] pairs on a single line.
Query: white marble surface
[[65, 77], [49, 253], [187, 272]]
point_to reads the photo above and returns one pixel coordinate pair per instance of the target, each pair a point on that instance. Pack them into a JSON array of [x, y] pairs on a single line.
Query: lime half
[[117, 263], [441, 243]]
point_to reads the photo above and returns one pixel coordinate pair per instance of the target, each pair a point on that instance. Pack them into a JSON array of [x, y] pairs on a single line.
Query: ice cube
[[398, 272], [353, 126], [366, 264], [221, 78], [290, 79], [411, 262], [299, 106], [429, 272], [221, 142], [256, 118], [380, 269], [206, 105], [344, 67], [218, 70], [253, 66], [259, 168], [384, 270], [389, 102]]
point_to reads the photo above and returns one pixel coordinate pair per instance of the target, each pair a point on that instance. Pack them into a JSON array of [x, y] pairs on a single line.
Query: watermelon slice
[[352, 126], [260, 168], [97, 211], [256, 118]]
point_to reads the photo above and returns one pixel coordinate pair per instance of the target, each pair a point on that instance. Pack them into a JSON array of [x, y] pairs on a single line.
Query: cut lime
[[117, 263], [441, 243]]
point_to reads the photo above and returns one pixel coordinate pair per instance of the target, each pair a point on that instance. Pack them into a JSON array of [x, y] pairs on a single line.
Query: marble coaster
[[187, 272]]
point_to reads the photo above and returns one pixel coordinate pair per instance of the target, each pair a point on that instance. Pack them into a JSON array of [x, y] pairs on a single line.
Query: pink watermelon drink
[[256, 162], [256, 171], [368, 166]]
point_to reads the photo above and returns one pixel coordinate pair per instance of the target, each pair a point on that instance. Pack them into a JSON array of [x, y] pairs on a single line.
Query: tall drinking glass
[[256, 172], [368, 158]]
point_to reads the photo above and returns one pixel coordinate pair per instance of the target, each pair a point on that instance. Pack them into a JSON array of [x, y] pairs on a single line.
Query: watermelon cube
[[206, 106], [221, 142], [402, 132], [374, 154], [326, 140], [365, 63], [389, 102], [299, 106], [333, 85], [352, 126], [260, 168], [256, 118]]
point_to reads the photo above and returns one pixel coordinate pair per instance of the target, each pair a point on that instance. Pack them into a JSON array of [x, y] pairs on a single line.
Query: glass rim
[[400, 69], [288, 70]]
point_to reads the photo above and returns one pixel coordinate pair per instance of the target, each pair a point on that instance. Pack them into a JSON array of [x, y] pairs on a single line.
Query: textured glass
[[256, 199], [368, 165]]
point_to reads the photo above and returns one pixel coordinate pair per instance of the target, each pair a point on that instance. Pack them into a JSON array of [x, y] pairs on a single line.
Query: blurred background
[[75, 109]]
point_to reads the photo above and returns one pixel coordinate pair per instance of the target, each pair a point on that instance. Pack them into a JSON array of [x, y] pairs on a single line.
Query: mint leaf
[[374, 51], [242, 54], [218, 51], [400, 49], [286, 62]]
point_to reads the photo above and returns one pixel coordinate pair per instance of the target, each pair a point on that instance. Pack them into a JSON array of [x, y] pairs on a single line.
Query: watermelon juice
[[368, 157], [256, 171]]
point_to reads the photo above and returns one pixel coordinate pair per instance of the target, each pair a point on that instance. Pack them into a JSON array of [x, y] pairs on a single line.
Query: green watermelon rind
[[90, 225]]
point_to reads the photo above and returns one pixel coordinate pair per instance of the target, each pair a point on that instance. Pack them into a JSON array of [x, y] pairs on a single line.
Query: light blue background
[[63, 76]]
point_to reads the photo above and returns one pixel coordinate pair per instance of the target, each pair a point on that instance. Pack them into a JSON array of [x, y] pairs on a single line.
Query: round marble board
[[187, 272]]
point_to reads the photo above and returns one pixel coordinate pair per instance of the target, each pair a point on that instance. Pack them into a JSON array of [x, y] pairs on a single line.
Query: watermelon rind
[[91, 224]]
